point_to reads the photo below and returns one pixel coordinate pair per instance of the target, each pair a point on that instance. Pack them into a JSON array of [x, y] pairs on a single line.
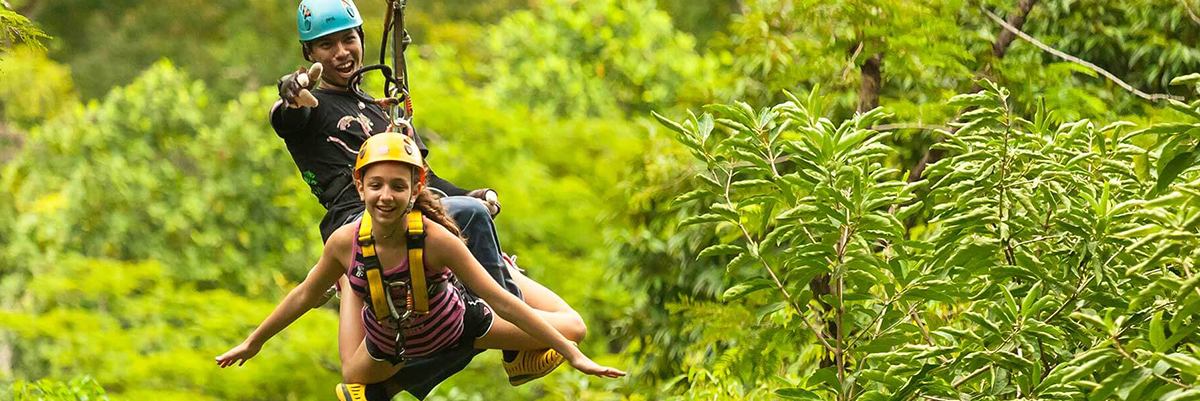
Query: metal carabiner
[[392, 308], [396, 315]]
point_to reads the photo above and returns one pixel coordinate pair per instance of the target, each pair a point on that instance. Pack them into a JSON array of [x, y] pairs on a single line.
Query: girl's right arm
[[327, 271]]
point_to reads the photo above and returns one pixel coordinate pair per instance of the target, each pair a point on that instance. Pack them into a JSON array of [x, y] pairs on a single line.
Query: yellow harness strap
[[375, 284], [416, 262]]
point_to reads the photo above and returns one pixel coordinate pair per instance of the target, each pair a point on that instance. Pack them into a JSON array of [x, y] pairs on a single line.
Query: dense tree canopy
[[749, 199]]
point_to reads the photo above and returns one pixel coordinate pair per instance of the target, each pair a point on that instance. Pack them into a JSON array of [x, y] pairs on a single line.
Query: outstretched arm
[[444, 249], [327, 271]]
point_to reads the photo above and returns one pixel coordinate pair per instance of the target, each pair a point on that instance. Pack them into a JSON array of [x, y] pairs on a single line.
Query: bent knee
[[464, 206], [350, 376], [576, 329], [465, 210], [364, 376]]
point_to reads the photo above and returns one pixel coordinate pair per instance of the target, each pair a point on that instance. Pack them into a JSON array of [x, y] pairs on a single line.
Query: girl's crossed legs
[[359, 367]]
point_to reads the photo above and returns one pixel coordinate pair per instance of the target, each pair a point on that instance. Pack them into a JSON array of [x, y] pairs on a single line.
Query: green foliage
[[78, 389], [783, 44], [1034, 276], [1148, 54], [177, 153], [33, 88], [595, 58], [16, 28], [232, 45], [133, 327], [1048, 256], [701, 18], [197, 187]]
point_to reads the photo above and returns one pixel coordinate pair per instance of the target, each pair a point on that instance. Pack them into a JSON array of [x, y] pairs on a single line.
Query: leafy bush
[[595, 58], [32, 87], [134, 329], [1053, 262], [156, 172], [77, 389]]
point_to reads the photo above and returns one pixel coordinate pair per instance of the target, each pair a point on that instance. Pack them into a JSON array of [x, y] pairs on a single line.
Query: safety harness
[[417, 290]]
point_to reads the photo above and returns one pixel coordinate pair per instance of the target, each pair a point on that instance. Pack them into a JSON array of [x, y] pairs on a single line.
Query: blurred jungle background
[[150, 217]]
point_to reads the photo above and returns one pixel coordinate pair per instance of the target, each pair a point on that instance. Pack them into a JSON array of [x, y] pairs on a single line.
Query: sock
[[376, 392]]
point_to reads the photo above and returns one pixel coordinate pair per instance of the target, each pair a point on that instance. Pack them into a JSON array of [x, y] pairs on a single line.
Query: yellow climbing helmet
[[389, 147]]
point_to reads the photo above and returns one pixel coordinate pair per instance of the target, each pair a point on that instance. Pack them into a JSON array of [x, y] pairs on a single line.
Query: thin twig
[[841, 311], [1082, 284], [896, 126], [877, 321], [968, 378], [1037, 239], [1188, 6], [1076, 60], [753, 249], [932, 398], [1121, 350], [850, 63]]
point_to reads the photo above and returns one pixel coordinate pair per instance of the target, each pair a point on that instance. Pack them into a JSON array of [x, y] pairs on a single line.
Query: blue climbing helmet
[[317, 18]]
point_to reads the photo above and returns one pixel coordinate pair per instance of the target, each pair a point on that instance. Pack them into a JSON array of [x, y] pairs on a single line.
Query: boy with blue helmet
[[331, 17], [323, 138]]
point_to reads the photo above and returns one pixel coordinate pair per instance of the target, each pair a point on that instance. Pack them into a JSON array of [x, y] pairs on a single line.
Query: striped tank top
[[424, 334]]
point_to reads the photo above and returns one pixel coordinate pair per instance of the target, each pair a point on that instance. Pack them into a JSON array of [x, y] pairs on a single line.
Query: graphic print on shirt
[[310, 178], [344, 124]]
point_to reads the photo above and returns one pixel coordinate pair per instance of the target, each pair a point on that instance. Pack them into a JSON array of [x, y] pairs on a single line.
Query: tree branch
[[1117, 344], [999, 49], [1016, 19], [752, 247], [1076, 60], [872, 81]]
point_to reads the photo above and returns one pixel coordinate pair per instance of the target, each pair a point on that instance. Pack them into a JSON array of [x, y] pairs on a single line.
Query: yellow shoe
[[351, 392], [530, 365], [361, 392]]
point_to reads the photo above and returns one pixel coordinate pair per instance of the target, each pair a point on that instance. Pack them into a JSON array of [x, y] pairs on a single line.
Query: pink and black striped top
[[423, 335]]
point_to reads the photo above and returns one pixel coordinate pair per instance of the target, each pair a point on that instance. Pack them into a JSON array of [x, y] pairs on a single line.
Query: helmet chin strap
[[412, 202]]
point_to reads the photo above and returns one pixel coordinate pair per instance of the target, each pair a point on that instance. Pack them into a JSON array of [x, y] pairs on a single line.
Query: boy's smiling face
[[340, 53]]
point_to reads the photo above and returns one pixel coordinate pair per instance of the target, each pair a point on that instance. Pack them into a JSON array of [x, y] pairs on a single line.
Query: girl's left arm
[[444, 249]]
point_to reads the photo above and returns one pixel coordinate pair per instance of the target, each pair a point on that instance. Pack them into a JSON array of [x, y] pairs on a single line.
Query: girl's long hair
[[431, 207]]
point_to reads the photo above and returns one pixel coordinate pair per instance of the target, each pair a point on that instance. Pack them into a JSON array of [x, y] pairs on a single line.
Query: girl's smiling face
[[387, 188]]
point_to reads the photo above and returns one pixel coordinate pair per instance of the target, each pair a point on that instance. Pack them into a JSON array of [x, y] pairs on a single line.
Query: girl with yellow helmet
[[323, 136], [390, 178]]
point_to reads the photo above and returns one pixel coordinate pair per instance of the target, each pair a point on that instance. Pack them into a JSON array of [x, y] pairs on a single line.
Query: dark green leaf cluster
[[1038, 260]]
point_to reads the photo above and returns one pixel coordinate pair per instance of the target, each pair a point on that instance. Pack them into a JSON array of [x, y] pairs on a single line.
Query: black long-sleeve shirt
[[324, 143]]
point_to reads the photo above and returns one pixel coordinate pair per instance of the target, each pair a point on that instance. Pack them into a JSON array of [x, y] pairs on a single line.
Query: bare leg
[[505, 335], [556, 310], [361, 368], [350, 327]]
